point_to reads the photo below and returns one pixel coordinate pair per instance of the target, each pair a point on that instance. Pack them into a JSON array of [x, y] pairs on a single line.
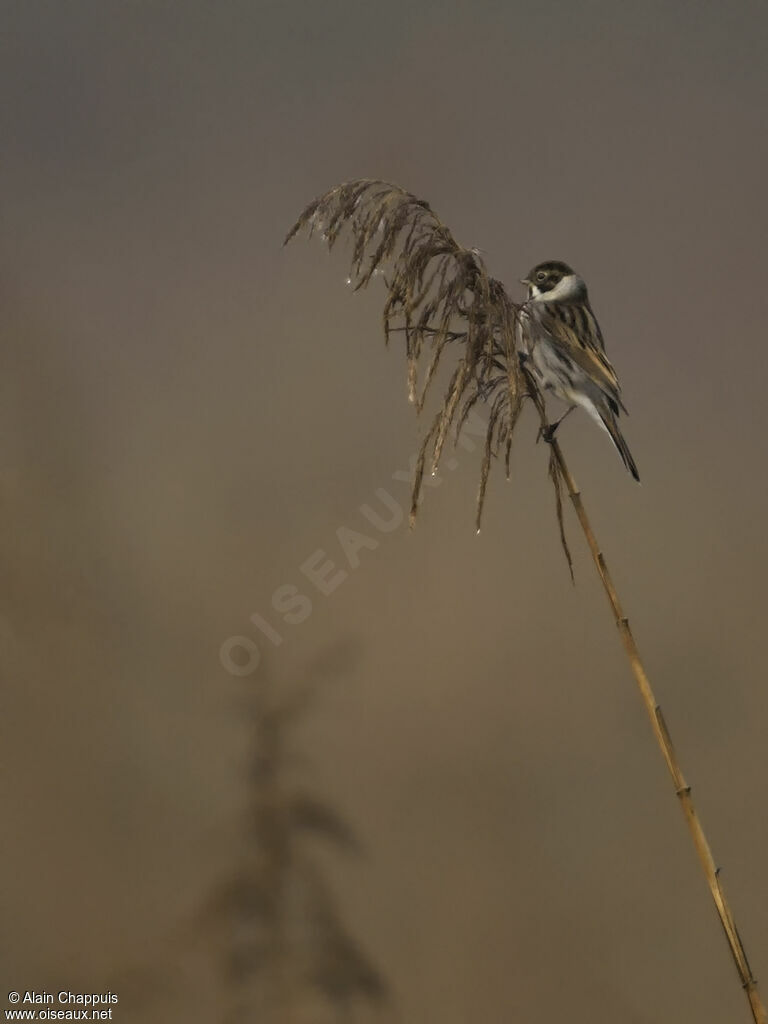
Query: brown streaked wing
[[594, 326], [582, 349]]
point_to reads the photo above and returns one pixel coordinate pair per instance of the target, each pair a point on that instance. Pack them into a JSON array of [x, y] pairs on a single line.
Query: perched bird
[[562, 345]]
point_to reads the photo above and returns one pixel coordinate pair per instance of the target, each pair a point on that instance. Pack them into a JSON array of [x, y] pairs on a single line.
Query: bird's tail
[[611, 424]]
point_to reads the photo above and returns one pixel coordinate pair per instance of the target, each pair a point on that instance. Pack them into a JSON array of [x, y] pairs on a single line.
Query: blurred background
[[189, 414]]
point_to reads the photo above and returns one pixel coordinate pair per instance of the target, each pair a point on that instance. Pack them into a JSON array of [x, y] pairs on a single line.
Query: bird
[[562, 345]]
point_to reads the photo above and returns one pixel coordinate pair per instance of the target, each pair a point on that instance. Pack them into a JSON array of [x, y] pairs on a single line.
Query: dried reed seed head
[[440, 297]]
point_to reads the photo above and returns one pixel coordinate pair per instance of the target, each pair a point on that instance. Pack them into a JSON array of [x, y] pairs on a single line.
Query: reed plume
[[440, 296]]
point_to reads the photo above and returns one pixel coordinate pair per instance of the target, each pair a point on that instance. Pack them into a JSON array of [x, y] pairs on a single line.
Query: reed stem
[[664, 740], [429, 277]]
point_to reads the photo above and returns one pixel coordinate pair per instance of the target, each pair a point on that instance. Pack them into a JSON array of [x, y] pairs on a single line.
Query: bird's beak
[[524, 280]]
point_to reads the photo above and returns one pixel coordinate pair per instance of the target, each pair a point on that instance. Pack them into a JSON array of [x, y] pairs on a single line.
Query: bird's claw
[[547, 432]]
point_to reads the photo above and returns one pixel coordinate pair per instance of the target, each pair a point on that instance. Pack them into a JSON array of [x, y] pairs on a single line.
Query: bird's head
[[554, 281]]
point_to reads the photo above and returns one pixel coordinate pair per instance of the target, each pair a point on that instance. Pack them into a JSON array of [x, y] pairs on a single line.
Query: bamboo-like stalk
[[434, 284], [664, 740]]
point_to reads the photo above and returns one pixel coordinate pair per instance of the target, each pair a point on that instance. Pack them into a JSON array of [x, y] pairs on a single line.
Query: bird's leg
[[547, 433]]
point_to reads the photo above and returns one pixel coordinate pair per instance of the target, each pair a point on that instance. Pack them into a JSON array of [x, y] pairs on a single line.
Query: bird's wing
[[573, 328]]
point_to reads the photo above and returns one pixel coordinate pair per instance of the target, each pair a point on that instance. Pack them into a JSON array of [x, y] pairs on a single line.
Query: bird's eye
[[541, 276]]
